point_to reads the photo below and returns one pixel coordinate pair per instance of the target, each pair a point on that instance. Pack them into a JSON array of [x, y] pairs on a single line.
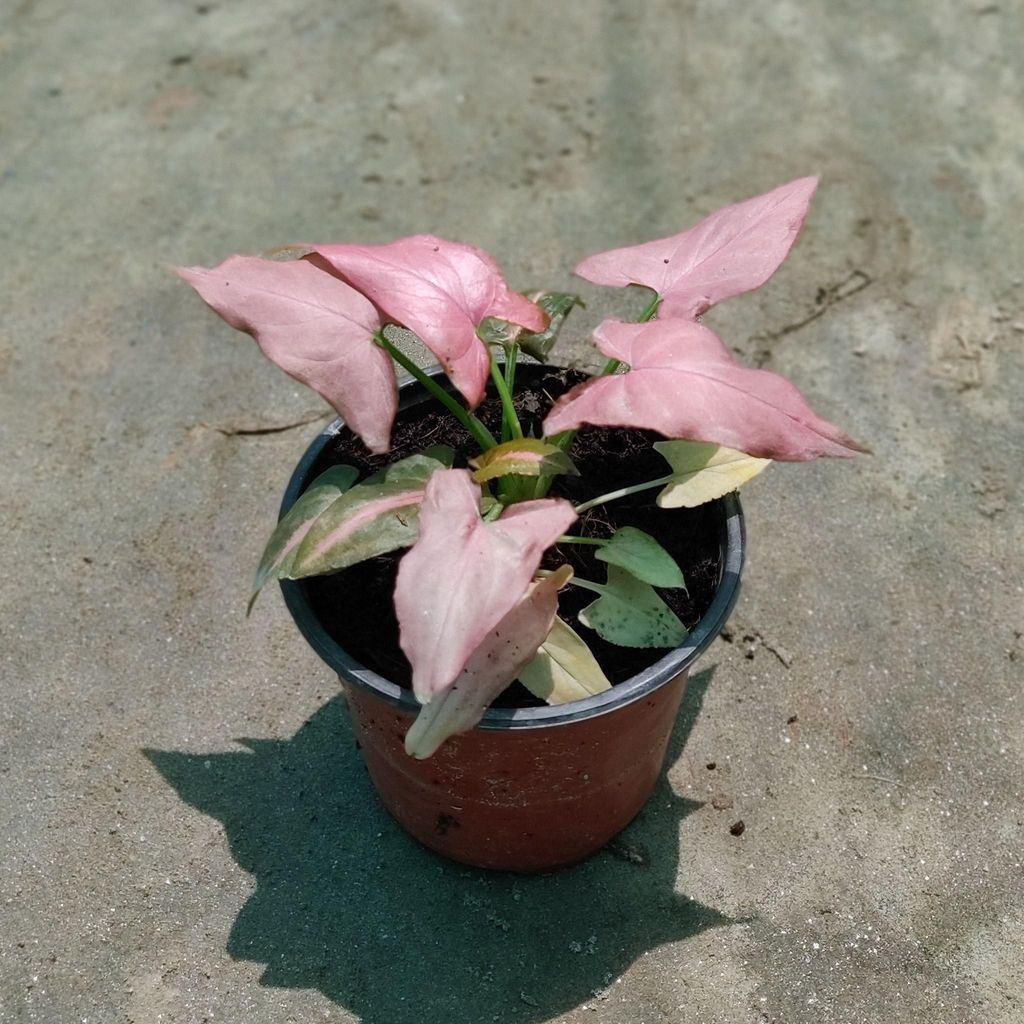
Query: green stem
[[597, 588], [511, 359], [652, 308], [481, 434], [569, 539], [506, 427], [565, 439], [508, 410], [614, 495]]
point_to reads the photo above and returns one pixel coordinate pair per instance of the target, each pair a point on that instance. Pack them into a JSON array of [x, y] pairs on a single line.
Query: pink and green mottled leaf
[[463, 575], [315, 327], [702, 472], [683, 383], [370, 519], [564, 668], [734, 250], [442, 291], [281, 549], [499, 659], [526, 456]]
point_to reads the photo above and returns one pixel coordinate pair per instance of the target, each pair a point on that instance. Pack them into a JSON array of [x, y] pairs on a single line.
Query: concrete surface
[[865, 721]]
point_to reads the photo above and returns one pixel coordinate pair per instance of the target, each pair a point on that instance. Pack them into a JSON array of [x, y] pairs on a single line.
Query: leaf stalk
[[479, 432], [622, 493]]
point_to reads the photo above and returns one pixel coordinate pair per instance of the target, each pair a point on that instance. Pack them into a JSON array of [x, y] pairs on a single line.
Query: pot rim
[[732, 539]]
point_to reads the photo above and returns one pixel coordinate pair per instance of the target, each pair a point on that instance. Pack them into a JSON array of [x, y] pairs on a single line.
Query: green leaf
[[493, 330], [413, 465], [557, 305], [373, 518], [284, 542], [525, 456], [630, 613], [640, 554], [417, 469], [703, 472], [564, 669]]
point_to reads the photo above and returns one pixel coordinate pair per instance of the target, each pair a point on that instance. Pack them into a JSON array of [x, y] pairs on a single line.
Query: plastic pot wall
[[529, 789]]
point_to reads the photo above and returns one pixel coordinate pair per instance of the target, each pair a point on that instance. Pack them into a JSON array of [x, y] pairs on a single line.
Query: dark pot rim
[[732, 538]]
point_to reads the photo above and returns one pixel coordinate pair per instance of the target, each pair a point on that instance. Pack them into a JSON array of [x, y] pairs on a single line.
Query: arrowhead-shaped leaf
[[463, 575], [734, 250], [498, 660], [284, 542], [314, 327], [642, 556], [703, 472], [630, 613], [442, 291], [368, 520], [564, 668], [526, 456], [684, 383]]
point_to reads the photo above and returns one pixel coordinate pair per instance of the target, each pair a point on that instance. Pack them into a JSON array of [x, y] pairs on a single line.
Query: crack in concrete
[[229, 431], [827, 297]]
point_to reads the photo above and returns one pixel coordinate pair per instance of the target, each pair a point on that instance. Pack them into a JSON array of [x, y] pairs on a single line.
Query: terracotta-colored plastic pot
[[529, 789]]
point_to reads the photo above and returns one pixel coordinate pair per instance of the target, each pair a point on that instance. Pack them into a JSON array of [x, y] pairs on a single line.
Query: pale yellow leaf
[[564, 668], [703, 472]]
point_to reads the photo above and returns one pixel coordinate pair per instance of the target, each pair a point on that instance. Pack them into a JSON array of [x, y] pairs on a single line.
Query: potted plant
[[486, 532]]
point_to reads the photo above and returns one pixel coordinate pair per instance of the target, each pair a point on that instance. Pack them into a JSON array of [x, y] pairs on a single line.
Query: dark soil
[[356, 606]]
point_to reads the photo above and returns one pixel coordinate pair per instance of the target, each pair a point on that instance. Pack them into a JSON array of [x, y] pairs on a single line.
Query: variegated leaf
[[526, 456], [369, 520], [284, 542], [703, 472]]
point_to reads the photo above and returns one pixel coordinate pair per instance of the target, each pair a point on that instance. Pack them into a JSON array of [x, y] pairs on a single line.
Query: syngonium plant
[[475, 609]]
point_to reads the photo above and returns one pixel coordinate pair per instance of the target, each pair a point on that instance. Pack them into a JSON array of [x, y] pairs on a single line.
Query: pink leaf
[[441, 291], [315, 327], [462, 576], [504, 653], [734, 250], [683, 383]]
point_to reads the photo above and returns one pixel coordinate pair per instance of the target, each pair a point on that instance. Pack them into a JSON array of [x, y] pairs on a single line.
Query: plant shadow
[[348, 904]]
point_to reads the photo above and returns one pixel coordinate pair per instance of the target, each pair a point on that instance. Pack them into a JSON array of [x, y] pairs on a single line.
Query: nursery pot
[[529, 789]]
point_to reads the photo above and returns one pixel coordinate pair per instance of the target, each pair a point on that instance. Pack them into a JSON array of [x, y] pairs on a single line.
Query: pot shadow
[[347, 903]]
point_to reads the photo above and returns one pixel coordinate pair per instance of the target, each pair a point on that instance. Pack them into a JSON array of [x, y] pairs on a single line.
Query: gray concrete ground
[[865, 720]]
